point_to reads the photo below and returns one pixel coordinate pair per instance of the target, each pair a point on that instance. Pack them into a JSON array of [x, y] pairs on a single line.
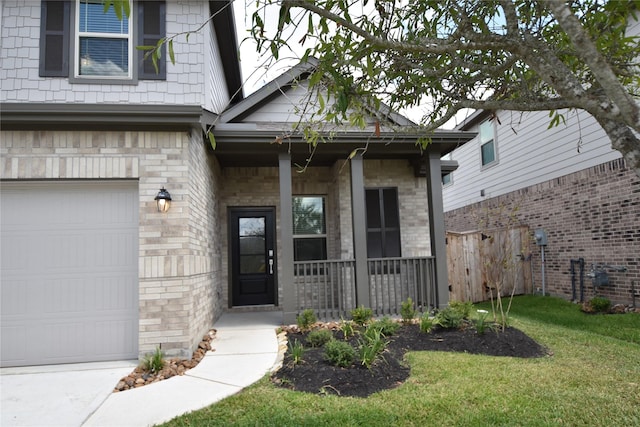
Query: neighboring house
[[567, 181], [92, 270]]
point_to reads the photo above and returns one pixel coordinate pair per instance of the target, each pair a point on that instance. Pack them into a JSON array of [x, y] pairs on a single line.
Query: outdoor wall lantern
[[163, 199]]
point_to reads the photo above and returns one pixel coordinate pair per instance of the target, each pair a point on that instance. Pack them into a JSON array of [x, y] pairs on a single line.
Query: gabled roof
[[282, 84], [243, 142]]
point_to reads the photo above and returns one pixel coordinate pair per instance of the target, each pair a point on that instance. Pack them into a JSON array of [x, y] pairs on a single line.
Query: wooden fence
[[479, 263]]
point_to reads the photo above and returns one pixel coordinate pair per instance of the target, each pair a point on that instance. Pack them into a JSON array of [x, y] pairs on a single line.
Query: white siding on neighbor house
[[19, 53], [528, 153]]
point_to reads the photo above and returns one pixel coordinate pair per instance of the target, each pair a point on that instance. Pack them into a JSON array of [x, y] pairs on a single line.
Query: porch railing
[[393, 280], [328, 287]]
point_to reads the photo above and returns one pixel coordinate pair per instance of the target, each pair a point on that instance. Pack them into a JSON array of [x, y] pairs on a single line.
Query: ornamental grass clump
[[347, 328], [371, 345], [296, 349], [426, 323], [385, 325], [153, 362], [449, 318]]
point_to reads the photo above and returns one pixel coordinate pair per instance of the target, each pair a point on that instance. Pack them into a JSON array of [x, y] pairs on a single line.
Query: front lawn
[[592, 378]]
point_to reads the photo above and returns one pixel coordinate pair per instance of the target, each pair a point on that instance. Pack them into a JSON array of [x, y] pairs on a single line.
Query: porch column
[[358, 215], [437, 227], [286, 240]]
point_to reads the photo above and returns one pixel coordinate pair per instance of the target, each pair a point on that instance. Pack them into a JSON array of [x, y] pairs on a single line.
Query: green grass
[[592, 379]]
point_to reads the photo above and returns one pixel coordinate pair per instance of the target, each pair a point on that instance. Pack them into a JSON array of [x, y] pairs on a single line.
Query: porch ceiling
[[252, 148]]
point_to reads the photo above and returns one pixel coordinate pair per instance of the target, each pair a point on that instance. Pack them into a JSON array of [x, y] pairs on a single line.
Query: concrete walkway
[[245, 349]]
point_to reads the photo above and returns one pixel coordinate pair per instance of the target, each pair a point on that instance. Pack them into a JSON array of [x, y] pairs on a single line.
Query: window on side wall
[[80, 41], [309, 228], [447, 179], [487, 143], [383, 223]]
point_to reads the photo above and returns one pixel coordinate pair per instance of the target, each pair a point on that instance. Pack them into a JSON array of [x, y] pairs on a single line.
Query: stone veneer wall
[[175, 277], [592, 214]]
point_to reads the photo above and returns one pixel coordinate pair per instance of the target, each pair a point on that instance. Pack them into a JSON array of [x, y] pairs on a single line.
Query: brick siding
[[178, 268], [592, 214]]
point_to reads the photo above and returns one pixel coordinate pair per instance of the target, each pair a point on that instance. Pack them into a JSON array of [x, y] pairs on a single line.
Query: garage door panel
[[70, 276]]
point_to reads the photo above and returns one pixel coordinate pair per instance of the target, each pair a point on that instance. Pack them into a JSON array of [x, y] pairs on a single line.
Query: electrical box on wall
[[541, 237]]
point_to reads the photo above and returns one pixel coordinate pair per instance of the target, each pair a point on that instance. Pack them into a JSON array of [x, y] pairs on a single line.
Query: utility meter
[[541, 237]]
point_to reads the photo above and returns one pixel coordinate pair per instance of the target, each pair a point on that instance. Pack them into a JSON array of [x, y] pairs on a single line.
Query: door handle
[[271, 266]]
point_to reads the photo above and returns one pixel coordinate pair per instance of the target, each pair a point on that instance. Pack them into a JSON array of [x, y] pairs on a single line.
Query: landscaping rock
[[173, 367]]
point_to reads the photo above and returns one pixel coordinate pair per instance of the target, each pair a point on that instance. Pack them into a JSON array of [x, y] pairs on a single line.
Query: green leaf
[[145, 47], [171, 54], [212, 139]]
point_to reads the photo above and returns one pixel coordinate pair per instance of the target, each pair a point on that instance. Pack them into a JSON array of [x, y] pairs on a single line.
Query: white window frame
[[78, 35], [492, 141]]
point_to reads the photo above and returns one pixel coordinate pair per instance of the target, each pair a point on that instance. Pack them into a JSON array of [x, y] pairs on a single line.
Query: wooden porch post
[[286, 240], [358, 215], [437, 227]]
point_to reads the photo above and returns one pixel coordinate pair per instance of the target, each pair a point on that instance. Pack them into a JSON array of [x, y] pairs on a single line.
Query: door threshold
[[252, 308]]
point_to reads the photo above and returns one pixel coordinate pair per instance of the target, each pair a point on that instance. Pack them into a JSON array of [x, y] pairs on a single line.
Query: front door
[[253, 259]]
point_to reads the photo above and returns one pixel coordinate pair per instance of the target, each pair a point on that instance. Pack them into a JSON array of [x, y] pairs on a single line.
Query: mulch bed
[[316, 375]]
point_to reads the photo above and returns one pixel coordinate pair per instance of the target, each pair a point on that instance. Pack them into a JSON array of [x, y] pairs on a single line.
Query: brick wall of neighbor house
[[592, 214], [171, 264]]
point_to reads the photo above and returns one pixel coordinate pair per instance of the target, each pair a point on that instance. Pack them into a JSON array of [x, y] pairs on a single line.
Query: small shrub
[[296, 349], [319, 337], [600, 304], [385, 325], [449, 318], [371, 345], [306, 319], [464, 308], [481, 322], [361, 315], [339, 353], [407, 311], [426, 323], [153, 362], [347, 328]]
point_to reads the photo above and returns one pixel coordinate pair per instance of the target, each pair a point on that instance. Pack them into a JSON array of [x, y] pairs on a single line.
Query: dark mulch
[[316, 375]]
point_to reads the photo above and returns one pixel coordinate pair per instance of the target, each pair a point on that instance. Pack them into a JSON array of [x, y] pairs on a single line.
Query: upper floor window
[[446, 179], [103, 42], [487, 143], [309, 228], [383, 223], [80, 41]]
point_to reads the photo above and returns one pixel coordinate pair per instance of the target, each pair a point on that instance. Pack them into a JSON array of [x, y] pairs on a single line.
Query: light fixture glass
[[163, 200]]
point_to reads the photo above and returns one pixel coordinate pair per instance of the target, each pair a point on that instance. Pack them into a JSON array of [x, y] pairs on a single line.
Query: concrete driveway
[[59, 395]]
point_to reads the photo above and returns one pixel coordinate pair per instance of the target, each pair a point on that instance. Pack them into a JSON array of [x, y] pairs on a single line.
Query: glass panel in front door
[[253, 245]]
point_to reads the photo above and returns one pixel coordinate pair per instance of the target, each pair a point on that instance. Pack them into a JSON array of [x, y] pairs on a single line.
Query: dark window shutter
[[54, 38], [383, 223], [151, 28]]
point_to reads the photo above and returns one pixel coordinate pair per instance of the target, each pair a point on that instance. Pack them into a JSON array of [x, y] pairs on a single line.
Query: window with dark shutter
[[151, 28], [54, 38], [56, 32], [383, 223]]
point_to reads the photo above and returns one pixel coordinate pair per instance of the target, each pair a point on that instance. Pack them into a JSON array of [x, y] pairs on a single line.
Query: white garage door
[[69, 262]]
